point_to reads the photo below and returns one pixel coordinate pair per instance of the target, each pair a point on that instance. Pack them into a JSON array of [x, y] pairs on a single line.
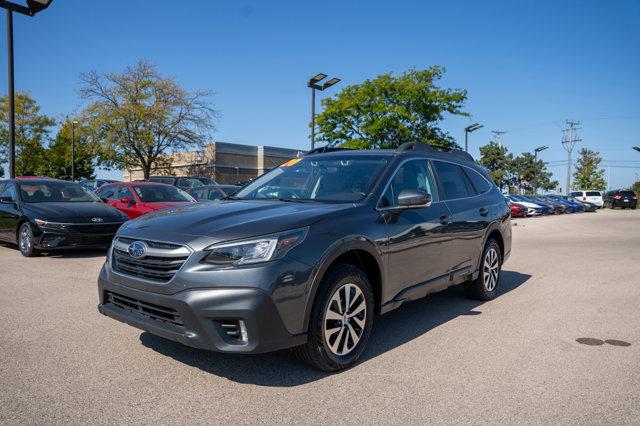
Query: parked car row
[[539, 205]]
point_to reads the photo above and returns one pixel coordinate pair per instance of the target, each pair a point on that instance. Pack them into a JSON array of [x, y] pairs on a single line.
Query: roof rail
[[425, 147], [322, 149]]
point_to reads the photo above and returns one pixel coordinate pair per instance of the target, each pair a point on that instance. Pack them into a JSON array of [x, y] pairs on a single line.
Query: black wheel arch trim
[[335, 250]]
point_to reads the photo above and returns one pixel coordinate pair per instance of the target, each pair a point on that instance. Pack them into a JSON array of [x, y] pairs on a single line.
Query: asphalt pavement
[[442, 359]]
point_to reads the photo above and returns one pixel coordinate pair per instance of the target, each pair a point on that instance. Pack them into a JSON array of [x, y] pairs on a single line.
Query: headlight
[[255, 250]]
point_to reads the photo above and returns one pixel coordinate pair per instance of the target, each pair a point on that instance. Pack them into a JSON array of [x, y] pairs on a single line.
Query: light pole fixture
[[32, 7], [637, 148], [73, 149], [467, 130], [535, 155], [314, 84]]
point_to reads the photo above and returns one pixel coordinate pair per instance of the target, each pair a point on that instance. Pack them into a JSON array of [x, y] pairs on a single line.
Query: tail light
[[635, 197], [617, 197]]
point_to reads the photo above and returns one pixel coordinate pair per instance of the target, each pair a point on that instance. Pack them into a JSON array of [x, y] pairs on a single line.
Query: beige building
[[226, 163]]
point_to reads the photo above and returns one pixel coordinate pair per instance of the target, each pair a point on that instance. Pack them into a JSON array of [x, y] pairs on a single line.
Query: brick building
[[227, 163]]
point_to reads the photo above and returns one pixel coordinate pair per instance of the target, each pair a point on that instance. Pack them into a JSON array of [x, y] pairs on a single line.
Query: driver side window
[[414, 174]]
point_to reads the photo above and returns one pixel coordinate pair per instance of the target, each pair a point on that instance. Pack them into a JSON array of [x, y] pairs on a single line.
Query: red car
[[518, 210], [139, 198]]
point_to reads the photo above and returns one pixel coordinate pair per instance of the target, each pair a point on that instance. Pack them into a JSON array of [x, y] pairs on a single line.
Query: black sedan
[[48, 214], [213, 192]]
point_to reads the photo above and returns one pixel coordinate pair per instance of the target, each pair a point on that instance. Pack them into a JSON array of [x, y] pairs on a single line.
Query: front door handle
[[484, 211], [444, 219]]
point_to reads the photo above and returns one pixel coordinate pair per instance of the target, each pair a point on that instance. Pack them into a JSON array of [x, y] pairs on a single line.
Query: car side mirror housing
[[126, 200], [414, 198], [7, 200]]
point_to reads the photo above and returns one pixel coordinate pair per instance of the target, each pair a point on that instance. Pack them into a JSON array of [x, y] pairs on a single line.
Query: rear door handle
[[444, 219], [484, 211]]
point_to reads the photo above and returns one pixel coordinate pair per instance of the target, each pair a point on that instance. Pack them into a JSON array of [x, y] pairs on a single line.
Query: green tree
[[497, 160], [527, 174], [138, 117], [389, 111], [58, 154], [587, 175], [32, 131]]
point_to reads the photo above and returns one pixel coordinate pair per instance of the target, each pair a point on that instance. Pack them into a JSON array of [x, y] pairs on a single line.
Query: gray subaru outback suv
[[306, 255]]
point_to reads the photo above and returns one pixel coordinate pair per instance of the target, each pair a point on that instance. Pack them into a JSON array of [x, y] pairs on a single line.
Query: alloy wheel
[[26, 239], [345, 319], [491, 269]]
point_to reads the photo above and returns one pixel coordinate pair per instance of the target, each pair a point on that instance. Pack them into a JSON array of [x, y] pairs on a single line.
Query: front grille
[[144, 309], [106, 228], [161, 264]]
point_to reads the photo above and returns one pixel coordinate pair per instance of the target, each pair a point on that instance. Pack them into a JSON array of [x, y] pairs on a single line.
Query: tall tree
[[387, 111], [32, 131], [497, 160], [58, 154], [140, 116], [587, 175], [527, 173]]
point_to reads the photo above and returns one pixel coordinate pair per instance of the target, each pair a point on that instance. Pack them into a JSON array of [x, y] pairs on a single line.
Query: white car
[[594, 197], [532, 208]]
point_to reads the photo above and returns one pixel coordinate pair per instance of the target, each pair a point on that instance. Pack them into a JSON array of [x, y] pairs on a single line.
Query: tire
[[26, 241], [330, 351], [485, 287]]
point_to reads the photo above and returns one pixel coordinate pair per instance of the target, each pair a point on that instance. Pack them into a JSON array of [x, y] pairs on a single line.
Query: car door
[[131, 208], [417, 246], [9, 212], [470, 216]]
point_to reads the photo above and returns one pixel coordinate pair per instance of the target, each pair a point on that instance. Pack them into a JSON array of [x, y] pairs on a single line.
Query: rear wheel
[[485, 286], [341, 320], [26, 241]]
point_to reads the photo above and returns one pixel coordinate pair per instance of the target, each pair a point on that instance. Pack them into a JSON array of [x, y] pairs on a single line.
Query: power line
[[496, 136], [568, 143]]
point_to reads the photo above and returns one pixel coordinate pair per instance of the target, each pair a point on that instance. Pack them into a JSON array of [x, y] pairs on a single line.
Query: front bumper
[[199, 317], [75, 236]]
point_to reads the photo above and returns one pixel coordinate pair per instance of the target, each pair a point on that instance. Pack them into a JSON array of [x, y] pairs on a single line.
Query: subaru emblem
[[137, 249], [96, 219]]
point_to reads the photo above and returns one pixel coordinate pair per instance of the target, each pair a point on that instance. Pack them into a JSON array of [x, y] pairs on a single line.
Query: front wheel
[[26, 241], [341, 320], [485, 286]]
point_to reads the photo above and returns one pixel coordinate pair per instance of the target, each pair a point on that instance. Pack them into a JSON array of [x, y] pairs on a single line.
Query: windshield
[[329, 179], [161, 194], [55, 191]]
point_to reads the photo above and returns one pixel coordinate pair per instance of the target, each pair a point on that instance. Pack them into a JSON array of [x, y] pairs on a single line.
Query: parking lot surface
[[444, 358]]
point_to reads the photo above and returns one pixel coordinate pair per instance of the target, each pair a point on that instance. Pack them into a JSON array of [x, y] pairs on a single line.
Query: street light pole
[[73, 150], [467, 130], [11, 94], [535, 156], [313, 84], [32, 7]]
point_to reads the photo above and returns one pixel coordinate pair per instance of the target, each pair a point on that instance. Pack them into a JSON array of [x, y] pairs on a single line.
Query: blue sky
[[527, 66]]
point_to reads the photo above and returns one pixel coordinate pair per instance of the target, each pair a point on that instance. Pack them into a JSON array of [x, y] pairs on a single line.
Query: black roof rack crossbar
[[322, 149], [424, 147]]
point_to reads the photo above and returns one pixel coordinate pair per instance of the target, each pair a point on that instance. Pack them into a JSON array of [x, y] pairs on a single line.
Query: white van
[[594, 197]]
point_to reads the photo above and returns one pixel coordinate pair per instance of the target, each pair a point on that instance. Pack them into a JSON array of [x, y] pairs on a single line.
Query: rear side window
[[593, 194], [108, 192], [479, 183], [577, 194], [454, 181]]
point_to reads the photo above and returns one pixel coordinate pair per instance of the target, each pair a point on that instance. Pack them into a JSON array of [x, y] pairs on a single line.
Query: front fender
[[333, 252]]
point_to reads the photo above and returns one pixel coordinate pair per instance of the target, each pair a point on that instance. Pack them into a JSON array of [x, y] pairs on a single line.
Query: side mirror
[[126, 200], [7, 200], [414, 198]]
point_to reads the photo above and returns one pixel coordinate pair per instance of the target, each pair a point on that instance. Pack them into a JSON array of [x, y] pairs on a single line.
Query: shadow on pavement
[[78, 253], [283, 369]]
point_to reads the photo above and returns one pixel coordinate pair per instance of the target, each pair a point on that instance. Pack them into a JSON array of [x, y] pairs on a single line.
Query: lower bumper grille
[[144, 309]]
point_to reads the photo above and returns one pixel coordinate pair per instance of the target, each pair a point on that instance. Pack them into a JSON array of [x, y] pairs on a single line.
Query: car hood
[[201, 224], [72, 212], [528, 204], [168, 204]]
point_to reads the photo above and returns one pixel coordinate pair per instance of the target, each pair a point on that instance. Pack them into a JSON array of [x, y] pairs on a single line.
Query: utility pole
[[496, 136], [73, 150], [569, 141]]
